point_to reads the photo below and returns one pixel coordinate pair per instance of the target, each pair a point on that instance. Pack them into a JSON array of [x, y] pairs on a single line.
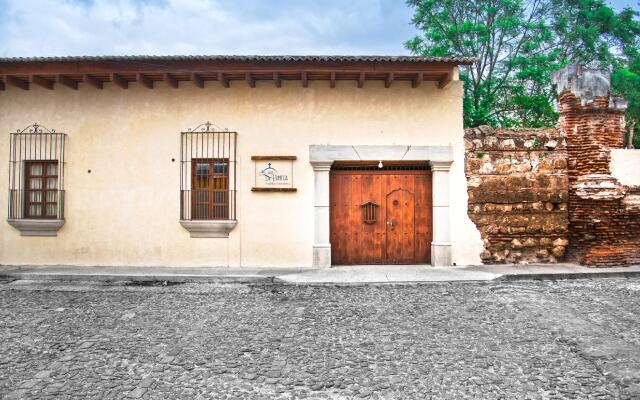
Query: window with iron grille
[[36, 174], [208, 174]]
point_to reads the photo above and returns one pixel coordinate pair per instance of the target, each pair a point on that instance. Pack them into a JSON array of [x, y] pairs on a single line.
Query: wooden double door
[[380, 216]]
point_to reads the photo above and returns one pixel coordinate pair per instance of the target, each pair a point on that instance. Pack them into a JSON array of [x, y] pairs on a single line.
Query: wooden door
[[380, 216]]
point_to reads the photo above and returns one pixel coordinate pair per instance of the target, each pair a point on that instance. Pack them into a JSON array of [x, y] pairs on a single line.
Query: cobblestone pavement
[[525, 340]]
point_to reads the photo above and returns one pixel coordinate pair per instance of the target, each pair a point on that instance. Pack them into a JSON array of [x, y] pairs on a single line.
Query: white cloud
[[99, 27]]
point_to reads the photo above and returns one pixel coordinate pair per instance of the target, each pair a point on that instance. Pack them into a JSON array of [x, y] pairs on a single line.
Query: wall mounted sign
[[273, 173]]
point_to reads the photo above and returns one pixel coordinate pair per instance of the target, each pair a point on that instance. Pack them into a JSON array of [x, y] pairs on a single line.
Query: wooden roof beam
[[197, 80], [361, 79], [304, 79], [446, 79], [40, 81], [171, 80], [145, 80], [19, 83], [389, 80], [250, 79], [417, 80], [2, 87], [277, 79], [120, 81], [223, 80], [176, 66], [93, 81], [66, 81], [332, 79]]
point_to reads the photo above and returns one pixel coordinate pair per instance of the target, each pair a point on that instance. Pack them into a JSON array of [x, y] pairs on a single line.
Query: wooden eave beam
[[93, 81], [145, 80], [332, 79], [197, 80], [223, 80], [2, 87], [445, 80], [66, 81], [40, 81], [96, 67], [277, 80], [19, 83], [120, 81], [389, 80], [250, 79], [417, 81], [304, 78], [361, 78], [171, 80]]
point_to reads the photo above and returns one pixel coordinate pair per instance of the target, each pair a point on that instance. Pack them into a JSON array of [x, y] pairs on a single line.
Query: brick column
[[594, 123]]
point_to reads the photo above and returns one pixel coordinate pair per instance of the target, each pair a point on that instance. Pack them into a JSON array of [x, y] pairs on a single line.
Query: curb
[[567, 276], [8, 277], [248, 279]]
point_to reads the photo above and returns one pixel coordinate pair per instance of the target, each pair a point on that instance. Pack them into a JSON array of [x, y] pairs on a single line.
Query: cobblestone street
[[523, 340]]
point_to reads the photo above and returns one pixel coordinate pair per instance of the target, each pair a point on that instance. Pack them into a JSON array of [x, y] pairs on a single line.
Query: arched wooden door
[[380, 216]]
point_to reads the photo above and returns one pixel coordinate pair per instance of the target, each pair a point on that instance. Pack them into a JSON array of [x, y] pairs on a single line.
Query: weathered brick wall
[[604, 215], [517, 186]]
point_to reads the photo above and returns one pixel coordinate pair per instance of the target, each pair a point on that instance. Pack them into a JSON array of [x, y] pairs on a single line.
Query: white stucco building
[[234, 161]]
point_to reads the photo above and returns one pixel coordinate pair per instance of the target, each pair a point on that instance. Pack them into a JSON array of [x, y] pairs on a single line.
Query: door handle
[[390, 223]]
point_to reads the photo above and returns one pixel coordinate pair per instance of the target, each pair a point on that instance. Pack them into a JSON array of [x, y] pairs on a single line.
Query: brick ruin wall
[[604, 215], [518, 192], [547, 195]]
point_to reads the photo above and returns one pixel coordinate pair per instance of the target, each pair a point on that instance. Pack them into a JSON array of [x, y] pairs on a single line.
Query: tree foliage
[[519, 44]]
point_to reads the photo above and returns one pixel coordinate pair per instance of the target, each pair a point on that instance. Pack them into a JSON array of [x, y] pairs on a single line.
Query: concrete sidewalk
[[342, 275]]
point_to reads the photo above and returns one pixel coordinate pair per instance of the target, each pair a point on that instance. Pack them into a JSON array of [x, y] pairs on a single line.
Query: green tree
[[626, 81], [519, 44]]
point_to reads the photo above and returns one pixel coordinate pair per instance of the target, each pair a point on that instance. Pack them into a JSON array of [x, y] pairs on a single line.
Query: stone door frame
[[440, 159]]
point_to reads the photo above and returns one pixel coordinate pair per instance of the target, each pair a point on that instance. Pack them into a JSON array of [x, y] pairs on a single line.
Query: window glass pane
[[220, 167], [52, 169], [52, 196], [36, 169], [51, 210], [202, 176], [35, 197], [35, 183], [220, 183], [35, 210], [52, 183]]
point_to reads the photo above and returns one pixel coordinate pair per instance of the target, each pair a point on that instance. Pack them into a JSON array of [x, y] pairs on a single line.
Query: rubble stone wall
[[518, 193]]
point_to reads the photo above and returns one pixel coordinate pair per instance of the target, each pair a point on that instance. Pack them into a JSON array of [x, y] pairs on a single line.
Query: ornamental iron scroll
[[208, 173], [369, 211], [36, 173]]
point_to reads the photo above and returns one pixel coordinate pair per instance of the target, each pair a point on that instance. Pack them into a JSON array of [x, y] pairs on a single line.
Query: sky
[[166, 27]]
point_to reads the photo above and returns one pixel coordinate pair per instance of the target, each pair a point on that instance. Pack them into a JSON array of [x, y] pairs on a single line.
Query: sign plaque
[[273, 173]]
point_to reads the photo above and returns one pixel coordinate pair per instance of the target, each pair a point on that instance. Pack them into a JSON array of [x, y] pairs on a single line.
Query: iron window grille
[[208, 173], [36, 173]]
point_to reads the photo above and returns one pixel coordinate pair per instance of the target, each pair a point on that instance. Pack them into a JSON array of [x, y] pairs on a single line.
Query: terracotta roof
[[52, 72], [281, 58]]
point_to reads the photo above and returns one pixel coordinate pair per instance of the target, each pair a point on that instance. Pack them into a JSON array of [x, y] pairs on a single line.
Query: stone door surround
[[440, 158]]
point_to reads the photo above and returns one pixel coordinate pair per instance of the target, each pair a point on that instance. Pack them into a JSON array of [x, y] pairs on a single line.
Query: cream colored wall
[[625, 164], [126, 211]]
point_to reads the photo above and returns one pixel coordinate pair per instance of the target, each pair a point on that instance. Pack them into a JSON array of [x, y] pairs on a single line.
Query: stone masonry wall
[[518, 193], [604, 215]]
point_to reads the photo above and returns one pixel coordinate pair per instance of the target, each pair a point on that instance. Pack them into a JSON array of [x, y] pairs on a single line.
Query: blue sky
[[117, 27]]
